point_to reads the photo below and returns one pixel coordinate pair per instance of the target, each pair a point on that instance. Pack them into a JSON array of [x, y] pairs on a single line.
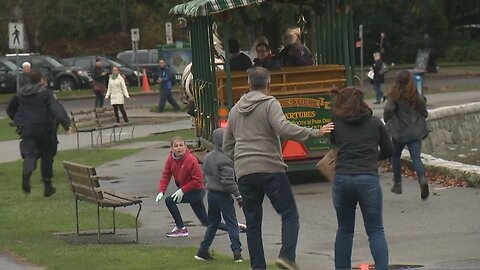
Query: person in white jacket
[[117, 92]]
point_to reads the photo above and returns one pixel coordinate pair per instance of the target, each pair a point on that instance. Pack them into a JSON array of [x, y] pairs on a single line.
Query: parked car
[[88, 63], [8, 76], [59, 76], [147, 59]]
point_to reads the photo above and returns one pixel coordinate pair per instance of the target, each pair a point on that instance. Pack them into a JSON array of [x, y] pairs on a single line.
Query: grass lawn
[[28, 224], [7, 132]]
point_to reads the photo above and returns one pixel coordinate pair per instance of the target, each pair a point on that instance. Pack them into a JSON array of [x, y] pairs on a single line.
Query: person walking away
[[357, 136], [251, 139], [265, 58], [378, 77], [405, 114], [99, 82], [24, 77], [238, 60], [117, 92], [165, 80], [35, 111], [221, 184]]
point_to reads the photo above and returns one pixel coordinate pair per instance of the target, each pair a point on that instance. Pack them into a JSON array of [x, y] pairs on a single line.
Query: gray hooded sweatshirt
[[252, 136], [218, 168]]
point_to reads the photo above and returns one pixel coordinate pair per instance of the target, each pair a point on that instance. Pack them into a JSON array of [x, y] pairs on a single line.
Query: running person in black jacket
[[36, 113]]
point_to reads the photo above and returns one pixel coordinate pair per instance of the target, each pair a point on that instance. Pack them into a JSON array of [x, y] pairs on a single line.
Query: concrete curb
[[453, 169]]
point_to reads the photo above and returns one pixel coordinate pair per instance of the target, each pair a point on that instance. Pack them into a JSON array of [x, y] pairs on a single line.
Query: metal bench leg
[[120, 133], [133, 128], [113, 134], [76, 216], [113, 217], [136, 221], [98, 223], [91, 138], [78, 142]]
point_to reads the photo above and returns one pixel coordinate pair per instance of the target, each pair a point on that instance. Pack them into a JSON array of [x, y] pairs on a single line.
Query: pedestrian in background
[[24, 77], [251, 139], [378, 77], [117, 92], [99, 82], [165, 79], [405, 116], [357, 136], [220, 183], [36, 113]]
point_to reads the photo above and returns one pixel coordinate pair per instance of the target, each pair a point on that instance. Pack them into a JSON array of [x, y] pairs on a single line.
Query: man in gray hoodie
[[252, 140]]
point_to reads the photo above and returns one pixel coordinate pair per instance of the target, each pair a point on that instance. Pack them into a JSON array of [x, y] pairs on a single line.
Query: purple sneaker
[[176, 232]]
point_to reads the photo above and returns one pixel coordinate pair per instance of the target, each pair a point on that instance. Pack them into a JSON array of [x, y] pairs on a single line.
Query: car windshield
[[11, 65], [115, 63], [54, 62]]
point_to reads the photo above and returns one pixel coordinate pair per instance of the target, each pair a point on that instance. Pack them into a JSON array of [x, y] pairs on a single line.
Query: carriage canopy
[[197, 8]]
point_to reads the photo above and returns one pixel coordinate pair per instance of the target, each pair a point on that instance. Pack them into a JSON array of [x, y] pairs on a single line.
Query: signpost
[[135, 33], [360, 34], [16, 41]]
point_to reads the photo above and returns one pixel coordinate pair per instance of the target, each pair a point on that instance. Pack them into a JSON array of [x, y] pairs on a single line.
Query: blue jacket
[[166, 75]]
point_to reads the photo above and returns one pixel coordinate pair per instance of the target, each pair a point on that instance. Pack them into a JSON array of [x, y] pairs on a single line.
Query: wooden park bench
[[85, 186], [98, 120]]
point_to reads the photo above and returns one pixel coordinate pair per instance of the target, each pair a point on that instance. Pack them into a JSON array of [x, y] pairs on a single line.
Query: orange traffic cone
[[145, 84]]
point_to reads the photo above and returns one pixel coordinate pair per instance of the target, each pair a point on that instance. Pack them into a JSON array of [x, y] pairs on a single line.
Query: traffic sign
[[135, 32], [16, 38]]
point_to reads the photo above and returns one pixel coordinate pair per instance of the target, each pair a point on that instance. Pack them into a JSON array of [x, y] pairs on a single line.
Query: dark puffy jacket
[[36, 105], [403, 122], [377, 77]]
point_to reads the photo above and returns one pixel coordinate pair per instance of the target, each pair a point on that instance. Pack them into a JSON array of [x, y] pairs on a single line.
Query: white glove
[[159, 197], [177, 196]]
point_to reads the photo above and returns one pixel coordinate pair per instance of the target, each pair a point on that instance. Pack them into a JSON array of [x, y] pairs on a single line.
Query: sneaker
[[242, 227], [203, 256], [176, 232], [238, 258], [286, 264], [376, 102], [397, 188]]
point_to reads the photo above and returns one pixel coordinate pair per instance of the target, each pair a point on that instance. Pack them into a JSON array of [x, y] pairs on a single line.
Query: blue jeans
[[348, 190], [99, 99], [415, 148], [276, 186], [221, 204], [378, 91], [166, 95], [195, 199]]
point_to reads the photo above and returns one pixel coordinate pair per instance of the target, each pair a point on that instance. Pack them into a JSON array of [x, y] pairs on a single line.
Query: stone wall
[[452, 125]]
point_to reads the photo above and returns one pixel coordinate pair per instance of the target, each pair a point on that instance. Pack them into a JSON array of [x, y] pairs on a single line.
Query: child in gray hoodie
[[220, 183]]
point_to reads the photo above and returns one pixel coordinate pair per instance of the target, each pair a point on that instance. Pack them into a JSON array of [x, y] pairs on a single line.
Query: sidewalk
[[181, 120]]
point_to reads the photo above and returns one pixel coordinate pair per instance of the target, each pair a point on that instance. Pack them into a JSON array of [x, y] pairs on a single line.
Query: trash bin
[[418, 76]]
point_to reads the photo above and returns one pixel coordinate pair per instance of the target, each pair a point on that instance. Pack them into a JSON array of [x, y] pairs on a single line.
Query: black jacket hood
[[31, 89]]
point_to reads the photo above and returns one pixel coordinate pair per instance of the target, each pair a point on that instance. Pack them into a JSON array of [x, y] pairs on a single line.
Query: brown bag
[[99, 86], [326, 165]]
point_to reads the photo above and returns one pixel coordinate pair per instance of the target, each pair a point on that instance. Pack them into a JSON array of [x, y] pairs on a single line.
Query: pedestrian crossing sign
[[16, 38]]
